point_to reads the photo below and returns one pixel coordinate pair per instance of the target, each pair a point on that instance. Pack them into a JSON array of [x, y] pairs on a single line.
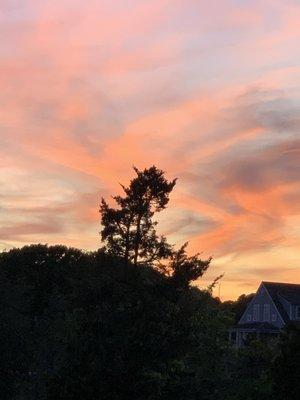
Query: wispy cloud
[[208, 91]]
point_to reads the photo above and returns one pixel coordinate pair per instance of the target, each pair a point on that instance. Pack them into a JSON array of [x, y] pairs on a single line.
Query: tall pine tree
[[129, 230]]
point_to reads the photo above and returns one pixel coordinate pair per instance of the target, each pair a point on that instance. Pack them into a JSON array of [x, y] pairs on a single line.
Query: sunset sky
[[208, 91]]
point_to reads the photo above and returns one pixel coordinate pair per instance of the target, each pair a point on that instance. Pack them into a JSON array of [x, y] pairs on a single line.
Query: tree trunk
[[126, 254], [137, 240]]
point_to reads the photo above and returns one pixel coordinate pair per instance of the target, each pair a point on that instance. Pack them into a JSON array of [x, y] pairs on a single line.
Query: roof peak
[[280, 283], [289, 292]]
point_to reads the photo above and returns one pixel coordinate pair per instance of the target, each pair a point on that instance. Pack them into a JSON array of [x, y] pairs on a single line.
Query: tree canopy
[[125, 323], [128, 231]]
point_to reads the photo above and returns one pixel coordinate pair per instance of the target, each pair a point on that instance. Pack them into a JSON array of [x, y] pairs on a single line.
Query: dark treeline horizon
[[83, 325], [126, 322]]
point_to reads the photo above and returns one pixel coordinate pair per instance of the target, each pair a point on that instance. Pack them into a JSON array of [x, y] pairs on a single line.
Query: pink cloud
[[207, 91]]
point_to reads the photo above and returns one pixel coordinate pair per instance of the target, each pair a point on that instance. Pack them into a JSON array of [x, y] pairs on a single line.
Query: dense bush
[[78, 325]]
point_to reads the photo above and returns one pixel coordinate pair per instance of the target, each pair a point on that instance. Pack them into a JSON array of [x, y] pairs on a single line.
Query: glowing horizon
[[208, 92]]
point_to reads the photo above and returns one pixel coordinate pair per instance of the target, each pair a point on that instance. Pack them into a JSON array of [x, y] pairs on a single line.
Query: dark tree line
[[125, 322]]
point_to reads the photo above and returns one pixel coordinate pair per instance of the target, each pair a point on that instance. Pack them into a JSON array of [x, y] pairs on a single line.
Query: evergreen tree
[[128, 231], [183, 269]]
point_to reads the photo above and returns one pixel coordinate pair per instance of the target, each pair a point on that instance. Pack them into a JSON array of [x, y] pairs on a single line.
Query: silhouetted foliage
[[78, 325], [238, 307], [82, 325], [286, 366], [129, 231], [249, 375], [183, 269]]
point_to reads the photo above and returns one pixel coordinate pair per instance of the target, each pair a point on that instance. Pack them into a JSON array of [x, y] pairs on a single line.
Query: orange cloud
[[209, 92]]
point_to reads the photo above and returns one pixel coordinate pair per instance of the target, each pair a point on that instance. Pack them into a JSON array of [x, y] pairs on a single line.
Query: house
[[274, 306]]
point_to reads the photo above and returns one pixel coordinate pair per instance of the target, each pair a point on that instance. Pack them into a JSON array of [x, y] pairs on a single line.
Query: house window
[[274, 317], [266, 314], [256, 312], [249, 317], [298, 312]]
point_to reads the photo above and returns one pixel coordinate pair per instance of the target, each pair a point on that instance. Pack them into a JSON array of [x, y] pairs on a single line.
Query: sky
[[208, 91]]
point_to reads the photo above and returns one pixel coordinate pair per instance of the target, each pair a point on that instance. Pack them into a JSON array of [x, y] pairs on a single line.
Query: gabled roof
[[288, 291]]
